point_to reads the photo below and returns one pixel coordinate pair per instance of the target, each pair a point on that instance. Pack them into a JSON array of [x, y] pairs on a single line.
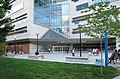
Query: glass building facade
[[53, 14], [60, 17], [42, 12], [86, 5]]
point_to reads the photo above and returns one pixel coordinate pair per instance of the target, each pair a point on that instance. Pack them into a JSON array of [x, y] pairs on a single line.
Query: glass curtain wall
[[42, 12], [97, 1], [57, 1], [60, 17], [53, 14]]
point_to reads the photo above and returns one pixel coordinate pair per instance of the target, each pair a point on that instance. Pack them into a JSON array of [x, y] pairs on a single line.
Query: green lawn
[[30, 69]]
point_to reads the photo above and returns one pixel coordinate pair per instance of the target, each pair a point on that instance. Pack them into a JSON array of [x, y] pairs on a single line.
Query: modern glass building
[[55, 20], [48, 17]]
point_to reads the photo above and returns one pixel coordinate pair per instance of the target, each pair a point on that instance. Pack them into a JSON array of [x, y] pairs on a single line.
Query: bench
[[77, 59], [36, 56], [9, 55]]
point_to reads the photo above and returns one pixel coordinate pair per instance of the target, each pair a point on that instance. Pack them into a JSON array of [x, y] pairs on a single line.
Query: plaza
[[61, 57]]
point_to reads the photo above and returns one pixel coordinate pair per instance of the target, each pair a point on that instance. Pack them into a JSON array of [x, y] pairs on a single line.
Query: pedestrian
[[6, 52], [119, 52], [49, 50], [67, 50], [90, 53], [73, 52], [94, 51], [112, 56], [97, 51]]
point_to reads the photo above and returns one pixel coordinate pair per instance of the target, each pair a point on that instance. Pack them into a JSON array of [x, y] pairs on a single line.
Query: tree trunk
[[101, 54]]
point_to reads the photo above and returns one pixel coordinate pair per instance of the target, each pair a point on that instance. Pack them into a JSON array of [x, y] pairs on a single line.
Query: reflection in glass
[[51, 15]]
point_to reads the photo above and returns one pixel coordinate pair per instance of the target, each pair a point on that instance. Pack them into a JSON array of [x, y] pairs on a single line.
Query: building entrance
[[61, 48]]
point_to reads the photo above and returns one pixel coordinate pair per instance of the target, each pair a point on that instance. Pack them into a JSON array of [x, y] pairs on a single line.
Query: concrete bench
[[9, 55], [36, 56], [77, 59]]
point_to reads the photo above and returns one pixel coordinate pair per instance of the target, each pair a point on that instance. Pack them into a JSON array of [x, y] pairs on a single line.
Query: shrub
[[2, 48]]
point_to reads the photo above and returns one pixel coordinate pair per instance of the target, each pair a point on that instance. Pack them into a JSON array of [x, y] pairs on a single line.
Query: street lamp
[[36, 53], [80, 40], [14, 44]]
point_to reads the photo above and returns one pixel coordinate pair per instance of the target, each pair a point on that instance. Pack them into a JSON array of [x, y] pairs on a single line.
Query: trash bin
[[98, 62]]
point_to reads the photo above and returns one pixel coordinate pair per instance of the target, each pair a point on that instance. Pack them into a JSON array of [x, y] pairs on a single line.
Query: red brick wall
[[19, 47]]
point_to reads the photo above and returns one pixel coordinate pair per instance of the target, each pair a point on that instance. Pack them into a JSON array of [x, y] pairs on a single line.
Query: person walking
[[89, 52], [67, 50], [49, 50], [119, 52], [73, 52], [112, 56], [94, 51], [97, 51]]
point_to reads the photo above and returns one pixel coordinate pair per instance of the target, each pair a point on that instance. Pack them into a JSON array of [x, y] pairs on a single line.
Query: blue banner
[[106, 48]]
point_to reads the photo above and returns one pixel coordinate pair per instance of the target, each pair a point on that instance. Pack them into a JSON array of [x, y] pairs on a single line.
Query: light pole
[[36, 53], [80, 40], [14, 44]]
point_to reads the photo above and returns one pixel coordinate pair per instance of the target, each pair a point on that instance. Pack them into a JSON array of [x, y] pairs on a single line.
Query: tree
[[5, 22], [103, 17]]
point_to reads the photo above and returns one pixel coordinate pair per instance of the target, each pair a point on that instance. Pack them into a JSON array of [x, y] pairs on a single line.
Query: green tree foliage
[[2, 48], [5, 22], [102, 17]]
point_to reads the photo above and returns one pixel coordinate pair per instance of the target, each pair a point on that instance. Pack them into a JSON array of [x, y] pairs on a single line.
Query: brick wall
[[24, 47]]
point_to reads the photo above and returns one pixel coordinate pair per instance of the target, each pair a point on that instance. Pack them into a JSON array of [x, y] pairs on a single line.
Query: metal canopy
[[52, 35]]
